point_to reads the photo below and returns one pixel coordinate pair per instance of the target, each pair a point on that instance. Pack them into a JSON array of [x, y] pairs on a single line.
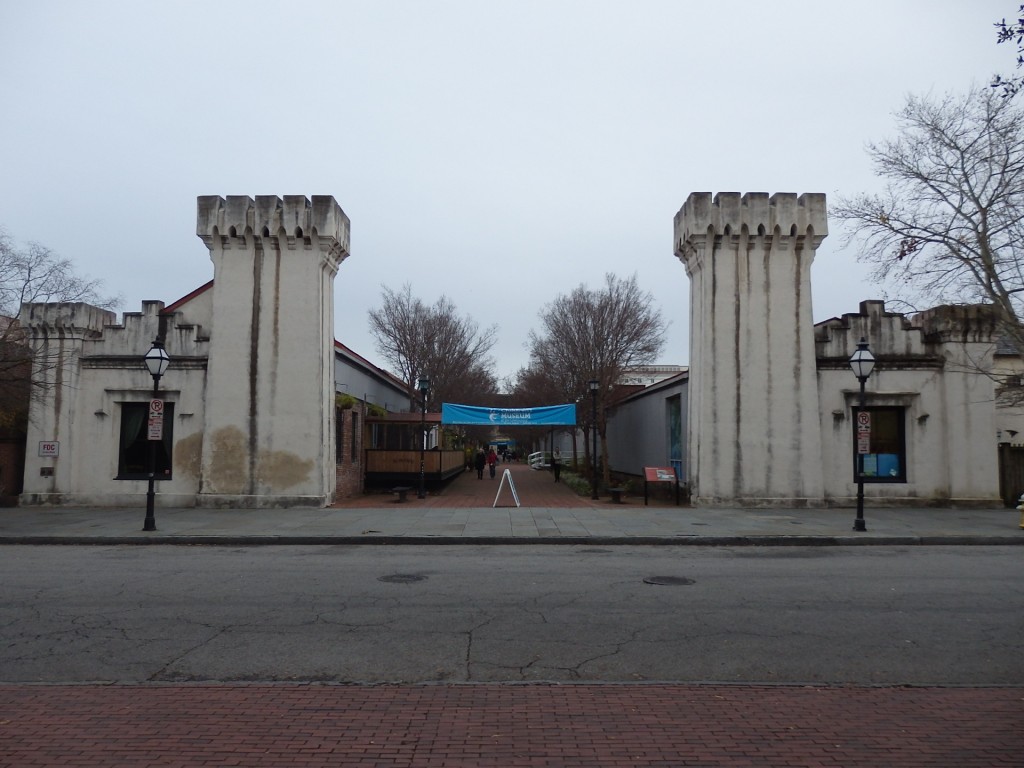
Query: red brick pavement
[[431, 726], [536, 488]]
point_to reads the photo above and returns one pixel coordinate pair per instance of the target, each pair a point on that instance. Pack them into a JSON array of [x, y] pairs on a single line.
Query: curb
[[383, 540]]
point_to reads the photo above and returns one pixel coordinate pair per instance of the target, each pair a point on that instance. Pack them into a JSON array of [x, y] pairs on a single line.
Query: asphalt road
[[866, 615]]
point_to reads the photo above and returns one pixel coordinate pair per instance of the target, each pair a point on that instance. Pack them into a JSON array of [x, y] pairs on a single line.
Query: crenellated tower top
[[293, 218], [783, 214]]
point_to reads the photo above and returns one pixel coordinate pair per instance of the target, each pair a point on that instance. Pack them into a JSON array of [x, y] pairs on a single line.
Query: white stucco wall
[[935, 368], [82, 410]]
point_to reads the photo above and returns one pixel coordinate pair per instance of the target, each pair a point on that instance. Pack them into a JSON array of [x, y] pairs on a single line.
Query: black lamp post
[[157, 361], [862, 362], [423, 385], [594, 385]]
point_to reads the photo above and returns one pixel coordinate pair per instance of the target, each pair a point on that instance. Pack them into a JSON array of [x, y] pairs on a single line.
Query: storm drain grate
[[402, 578], [669, 581]]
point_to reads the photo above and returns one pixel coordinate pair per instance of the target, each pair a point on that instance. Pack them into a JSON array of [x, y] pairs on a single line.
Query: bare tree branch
[[417, 339], [1006, 33], [29, 275], [593, 335], [949, 227]]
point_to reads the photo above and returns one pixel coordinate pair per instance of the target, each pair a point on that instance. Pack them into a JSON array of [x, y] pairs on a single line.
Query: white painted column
[[269, 427], [754, 430]]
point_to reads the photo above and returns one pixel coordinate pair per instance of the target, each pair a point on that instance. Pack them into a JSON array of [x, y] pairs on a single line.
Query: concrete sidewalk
[[461, 512], [423, 522]]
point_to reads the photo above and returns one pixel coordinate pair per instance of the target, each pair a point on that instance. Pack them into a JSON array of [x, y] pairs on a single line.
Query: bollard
[[1020, 508]]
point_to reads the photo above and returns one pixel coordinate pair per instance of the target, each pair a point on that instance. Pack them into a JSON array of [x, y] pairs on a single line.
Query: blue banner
[[545, 416]]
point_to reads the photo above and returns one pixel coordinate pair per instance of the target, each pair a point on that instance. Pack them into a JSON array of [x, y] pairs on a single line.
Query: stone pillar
[[754, 437], [268, 437]]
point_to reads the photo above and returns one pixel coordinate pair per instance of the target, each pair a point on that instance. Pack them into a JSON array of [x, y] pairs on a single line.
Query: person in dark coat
[[479, 461], [556, 463]]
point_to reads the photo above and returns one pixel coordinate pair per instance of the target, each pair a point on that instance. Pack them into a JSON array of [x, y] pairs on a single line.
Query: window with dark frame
[[134, 443], [887, 460]]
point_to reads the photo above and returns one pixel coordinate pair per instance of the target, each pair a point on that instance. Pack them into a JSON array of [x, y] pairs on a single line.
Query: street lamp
[[594, 385], [861, 362], [157, 361], [423, 385]]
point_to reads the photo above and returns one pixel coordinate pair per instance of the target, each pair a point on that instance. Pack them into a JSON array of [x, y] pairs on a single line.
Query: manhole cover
[[402, 578], [669, 581]]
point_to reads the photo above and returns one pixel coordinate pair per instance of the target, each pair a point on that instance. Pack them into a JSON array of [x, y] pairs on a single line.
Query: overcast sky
[[499, 153]]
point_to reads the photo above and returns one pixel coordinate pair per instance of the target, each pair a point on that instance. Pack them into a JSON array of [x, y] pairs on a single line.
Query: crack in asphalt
[[469, 646], [158, 675]]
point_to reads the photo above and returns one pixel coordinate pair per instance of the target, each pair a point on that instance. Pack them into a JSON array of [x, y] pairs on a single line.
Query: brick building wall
[[348, 453]]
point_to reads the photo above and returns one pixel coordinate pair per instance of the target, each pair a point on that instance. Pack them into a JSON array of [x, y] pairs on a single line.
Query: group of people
[[488, 459]]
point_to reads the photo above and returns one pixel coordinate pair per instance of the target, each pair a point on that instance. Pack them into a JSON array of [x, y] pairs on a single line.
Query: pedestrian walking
[[492, 461], [479, 462], [556, 463]]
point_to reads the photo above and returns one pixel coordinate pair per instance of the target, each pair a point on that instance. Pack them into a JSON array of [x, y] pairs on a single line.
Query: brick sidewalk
[[536, 488], [504, 726]]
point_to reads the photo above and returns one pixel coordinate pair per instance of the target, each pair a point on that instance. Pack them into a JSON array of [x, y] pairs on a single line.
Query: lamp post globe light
[[862, 362], [594, 386], [423, 385], [156, 360]]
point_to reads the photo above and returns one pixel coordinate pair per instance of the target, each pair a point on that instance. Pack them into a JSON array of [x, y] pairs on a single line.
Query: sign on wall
[[49, 449]]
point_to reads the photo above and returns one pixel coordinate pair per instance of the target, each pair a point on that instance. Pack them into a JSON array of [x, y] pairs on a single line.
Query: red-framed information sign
[[660, 475]]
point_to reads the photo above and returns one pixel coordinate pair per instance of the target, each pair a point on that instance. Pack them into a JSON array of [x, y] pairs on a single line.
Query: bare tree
[[418, 339], [37, 274], [949, 227], [596, 334], [30, 274]]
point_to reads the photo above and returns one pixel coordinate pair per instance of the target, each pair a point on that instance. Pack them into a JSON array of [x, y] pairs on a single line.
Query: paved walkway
[[550, 513], [504, 726]]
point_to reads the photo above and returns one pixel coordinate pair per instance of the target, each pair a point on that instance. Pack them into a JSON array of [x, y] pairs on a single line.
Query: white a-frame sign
[[512, 486]]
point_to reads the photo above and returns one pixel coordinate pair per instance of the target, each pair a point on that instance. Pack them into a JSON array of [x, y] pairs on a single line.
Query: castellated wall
[[93, 366], [933, 366], [753, 400], [771, 396], [251, 379]]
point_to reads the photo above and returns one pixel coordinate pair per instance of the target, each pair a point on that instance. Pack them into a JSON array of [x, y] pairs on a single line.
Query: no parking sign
[[863, 432], [156, 419]]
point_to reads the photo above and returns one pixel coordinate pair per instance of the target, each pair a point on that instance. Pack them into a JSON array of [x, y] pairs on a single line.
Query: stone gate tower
[[268, 435], [755, 437]]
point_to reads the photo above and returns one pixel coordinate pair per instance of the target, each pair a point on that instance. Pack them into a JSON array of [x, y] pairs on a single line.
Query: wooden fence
[[396, 466]]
